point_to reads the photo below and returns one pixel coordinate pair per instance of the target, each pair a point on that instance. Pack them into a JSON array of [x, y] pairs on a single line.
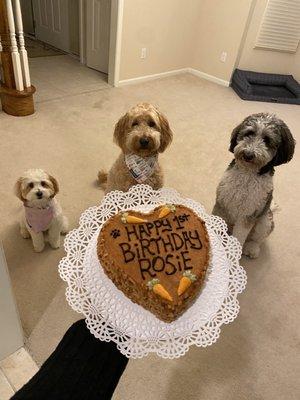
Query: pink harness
[[38, 219]]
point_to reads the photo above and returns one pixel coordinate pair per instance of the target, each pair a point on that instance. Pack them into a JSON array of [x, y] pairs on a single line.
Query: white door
[[97, 34], [52, 22]]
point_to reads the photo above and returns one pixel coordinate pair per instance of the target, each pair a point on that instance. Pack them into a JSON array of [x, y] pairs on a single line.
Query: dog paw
[[39, 249], [251, 249], [55, 244], [65, 226]]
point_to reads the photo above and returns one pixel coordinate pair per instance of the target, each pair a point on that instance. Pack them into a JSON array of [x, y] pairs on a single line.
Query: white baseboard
[[192, 71], [208, 77], [145, 78]]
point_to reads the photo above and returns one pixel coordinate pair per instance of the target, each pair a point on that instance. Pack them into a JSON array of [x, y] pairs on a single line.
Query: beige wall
[[220, 27], [265, 60], [165, 28], [194, 33], [180, 34]]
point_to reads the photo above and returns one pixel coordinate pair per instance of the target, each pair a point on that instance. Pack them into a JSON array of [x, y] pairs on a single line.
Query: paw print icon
[[115, 233]]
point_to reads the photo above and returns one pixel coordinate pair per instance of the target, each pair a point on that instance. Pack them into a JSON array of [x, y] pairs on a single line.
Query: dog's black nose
[[39, 194], [144, 142], [248, 155]]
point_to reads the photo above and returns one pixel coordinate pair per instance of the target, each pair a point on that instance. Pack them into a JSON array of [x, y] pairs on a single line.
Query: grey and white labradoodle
[[260, 143]]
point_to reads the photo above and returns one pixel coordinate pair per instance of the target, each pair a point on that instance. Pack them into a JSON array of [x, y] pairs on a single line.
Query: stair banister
[[16, 91]]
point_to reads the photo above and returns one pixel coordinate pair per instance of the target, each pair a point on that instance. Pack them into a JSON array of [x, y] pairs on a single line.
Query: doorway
[[77, 28]]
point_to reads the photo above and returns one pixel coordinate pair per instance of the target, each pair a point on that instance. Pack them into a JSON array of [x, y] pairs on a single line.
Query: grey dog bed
[[257, 86]]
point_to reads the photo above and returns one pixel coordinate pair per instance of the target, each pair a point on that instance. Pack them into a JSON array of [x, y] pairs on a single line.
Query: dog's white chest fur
[[243, 192]]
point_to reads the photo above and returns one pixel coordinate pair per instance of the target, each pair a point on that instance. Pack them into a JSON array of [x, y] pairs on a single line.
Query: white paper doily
[[110, 315]]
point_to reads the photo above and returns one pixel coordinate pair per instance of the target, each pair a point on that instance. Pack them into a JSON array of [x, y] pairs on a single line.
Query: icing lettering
[[158, 247], [145, 266], [127, 253]]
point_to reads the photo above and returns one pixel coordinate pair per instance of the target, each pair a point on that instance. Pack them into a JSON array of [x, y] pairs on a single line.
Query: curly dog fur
[[260, 143], [37, 190], [143, 131]]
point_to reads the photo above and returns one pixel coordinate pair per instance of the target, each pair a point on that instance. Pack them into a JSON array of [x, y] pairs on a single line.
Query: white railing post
[[23, 51], [0, 45], [14, 47]]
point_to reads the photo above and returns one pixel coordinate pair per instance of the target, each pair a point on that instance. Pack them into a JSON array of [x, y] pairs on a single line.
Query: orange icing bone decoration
[[159, 289], [185, 282], [131, 219]]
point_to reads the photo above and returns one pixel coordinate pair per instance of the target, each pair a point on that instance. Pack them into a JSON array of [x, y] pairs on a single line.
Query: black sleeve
[[81, 367]]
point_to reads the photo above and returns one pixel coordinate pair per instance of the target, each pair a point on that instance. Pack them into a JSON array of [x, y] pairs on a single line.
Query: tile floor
[[15, 371]]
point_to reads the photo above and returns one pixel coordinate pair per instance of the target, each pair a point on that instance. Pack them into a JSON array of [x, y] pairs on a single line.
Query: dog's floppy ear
[[286, 148], [18, 189], [54, 183], [120, 129], [234, 135], [166, 133]]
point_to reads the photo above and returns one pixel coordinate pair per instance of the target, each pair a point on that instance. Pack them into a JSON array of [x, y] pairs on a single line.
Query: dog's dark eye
[[135, 123], [152, 124], [267, 140], [30, 185], [43, 183]]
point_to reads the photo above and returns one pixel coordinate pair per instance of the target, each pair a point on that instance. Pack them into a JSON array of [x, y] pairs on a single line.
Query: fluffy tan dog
[[41, 212], [141, 133]]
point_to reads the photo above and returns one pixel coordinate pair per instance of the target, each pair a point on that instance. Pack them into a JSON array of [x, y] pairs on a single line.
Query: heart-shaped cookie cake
[[158, 260]]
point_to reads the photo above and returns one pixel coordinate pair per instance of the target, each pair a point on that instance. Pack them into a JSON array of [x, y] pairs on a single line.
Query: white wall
[[11, 335], [260, 60]]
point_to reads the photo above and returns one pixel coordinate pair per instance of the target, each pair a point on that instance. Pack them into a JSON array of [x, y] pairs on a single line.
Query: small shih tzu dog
[[42, 213], [141, 133], [244, 195]]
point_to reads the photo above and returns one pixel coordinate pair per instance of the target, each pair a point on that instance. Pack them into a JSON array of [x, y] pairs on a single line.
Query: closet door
[[98, 28], [51, 19]]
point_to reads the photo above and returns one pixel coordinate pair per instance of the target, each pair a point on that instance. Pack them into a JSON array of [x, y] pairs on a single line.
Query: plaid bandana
[[38, 219], [141, 168]]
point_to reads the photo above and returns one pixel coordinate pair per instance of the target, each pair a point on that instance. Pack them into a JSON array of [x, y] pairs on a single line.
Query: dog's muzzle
[[248, 156], [144, 142]]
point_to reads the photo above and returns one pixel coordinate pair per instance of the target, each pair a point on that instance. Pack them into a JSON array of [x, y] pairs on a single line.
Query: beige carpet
[[257, 356]]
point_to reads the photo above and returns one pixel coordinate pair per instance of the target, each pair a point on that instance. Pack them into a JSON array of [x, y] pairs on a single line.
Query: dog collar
[[38, 219], [140, 168]]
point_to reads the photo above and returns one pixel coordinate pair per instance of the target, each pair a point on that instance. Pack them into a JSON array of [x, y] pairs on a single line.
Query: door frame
[[115, 38]]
